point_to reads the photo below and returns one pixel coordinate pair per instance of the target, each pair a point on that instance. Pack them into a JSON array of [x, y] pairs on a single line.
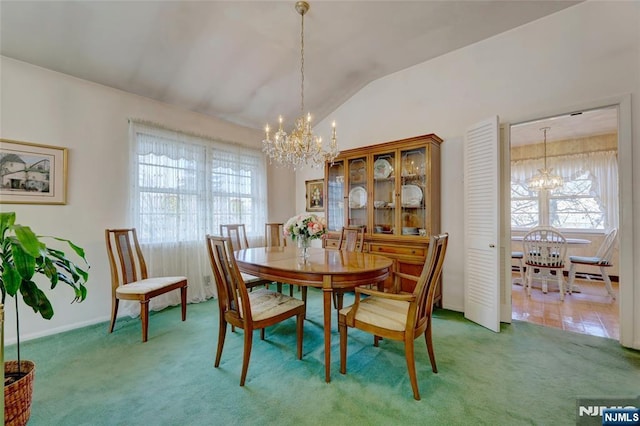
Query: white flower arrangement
[[306, 226]]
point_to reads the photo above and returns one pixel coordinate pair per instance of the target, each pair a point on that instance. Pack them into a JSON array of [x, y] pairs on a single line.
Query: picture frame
[[32, 173], [315, 195]]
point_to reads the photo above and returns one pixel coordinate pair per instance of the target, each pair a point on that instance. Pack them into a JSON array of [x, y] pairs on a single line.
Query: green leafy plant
[[23, 256]]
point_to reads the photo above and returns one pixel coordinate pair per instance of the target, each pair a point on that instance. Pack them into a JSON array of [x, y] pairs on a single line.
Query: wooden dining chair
[[274, 237], [129, 279], [351, 239], [237, 233], [398, 315], [602, 260], [248, 311], [544, 249]]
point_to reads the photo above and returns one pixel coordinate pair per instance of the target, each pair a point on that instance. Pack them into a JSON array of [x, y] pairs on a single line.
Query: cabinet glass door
[[358, 196], [335, 196], [384, 182], [412, 191]]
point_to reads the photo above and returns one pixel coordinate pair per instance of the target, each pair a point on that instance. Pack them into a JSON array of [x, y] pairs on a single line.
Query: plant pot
[[18, 395]]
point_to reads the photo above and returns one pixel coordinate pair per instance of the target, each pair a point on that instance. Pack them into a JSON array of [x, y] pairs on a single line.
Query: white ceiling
[[566, 127], [240, 60]]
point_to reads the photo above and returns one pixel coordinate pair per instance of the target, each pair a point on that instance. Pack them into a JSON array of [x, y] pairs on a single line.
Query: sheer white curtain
[[602, 166], [182, 188]]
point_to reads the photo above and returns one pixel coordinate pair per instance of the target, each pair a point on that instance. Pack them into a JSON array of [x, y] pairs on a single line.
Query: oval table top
[[347, 269]]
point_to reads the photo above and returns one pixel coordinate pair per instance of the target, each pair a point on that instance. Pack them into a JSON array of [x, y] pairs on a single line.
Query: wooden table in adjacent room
[[326, 269]]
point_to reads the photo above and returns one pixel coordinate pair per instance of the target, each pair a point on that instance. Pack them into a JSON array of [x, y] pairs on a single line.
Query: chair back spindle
[[274, 235], [237, 233], [351, 238]]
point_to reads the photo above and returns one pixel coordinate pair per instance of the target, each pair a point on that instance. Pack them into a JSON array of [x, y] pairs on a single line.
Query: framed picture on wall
[[32, 173], [315, 195]]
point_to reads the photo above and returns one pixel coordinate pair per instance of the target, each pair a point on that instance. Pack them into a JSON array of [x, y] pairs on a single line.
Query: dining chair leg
[[183, 301], [144, 316], [342, 328], [262, 333], [300, 332], [560, 277], [222, 332], [290, 290], [528, 278], [572, 277], [607, 281], [248, 339], [114, 313], [411, 366], [304, 299], [432, 356]]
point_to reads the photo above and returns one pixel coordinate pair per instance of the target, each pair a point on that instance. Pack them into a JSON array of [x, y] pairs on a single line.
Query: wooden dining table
[[325, 268]]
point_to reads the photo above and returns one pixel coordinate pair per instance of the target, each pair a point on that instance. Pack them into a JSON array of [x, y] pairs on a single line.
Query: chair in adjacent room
[[129, 280], [602, 260], [544, 249], [518, 257], [248, 311], [398, 315], [237, 233]]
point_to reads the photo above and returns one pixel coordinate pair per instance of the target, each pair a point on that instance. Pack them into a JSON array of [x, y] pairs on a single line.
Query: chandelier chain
[[545, 180], [302, 67], [299, 147]]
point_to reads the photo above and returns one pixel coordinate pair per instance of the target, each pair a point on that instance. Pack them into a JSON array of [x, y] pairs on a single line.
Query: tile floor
[[592, 311]]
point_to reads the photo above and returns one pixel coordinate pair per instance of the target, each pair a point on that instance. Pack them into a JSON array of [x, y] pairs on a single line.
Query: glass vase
[[303, 248]]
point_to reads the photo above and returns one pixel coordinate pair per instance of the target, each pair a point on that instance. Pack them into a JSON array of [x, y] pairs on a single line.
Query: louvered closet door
[[481, 217]]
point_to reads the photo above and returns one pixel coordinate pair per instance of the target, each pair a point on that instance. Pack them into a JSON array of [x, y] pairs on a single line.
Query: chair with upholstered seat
[[544, 249], [398, 315], [129, 280], [237, 233], [602, 260], [248, 311]]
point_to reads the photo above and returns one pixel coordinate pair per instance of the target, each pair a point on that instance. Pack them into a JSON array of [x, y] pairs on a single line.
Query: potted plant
[[23, 257]]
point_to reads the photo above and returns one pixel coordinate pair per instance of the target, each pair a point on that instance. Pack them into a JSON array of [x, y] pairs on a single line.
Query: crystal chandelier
[[545, 180], [301, 146]]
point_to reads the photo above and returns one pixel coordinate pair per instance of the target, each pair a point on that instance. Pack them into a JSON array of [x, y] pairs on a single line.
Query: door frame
[[626, 301]]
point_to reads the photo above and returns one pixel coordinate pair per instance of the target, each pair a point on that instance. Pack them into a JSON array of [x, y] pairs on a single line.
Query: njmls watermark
[[608, 411]]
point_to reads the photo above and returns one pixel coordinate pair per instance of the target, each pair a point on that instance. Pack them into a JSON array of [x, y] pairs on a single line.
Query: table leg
[[328, 296]]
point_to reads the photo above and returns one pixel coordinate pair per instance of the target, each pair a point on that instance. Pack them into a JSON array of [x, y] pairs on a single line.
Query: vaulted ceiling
[[240, 60]]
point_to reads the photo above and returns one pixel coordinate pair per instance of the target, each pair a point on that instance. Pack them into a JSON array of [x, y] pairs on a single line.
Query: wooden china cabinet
[[393, 190]]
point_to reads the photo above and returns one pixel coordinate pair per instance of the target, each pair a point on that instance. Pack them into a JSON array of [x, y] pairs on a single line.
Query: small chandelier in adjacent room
[[545, 179], [301, 146]]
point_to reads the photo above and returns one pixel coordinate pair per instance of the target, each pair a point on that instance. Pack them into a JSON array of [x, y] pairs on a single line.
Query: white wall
[[580, 55], [42, 106]]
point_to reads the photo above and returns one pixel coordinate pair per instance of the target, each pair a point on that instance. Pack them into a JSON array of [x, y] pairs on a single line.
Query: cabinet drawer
[[397, 250], [330, 244]]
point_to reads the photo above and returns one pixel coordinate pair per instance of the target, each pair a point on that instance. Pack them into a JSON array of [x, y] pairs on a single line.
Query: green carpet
[[526, 374]]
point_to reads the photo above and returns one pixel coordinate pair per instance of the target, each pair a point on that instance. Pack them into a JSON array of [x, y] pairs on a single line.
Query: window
[[588, 200], [186, 186]]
